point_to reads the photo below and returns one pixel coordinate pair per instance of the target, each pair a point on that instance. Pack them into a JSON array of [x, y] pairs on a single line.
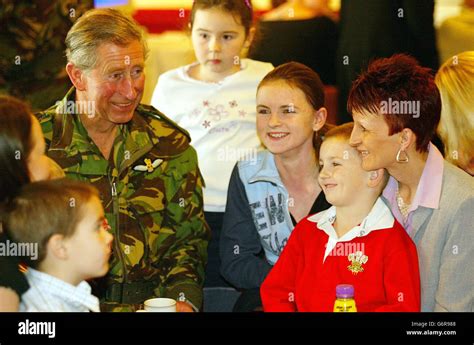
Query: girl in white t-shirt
[[214, 99]]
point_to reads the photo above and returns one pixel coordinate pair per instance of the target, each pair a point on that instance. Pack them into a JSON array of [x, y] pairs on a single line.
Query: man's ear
[[320, 117], [56, 247], [376, 177], [77, 76]]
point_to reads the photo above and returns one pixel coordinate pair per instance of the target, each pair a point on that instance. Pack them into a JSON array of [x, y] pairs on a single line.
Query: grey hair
[[99, 26]]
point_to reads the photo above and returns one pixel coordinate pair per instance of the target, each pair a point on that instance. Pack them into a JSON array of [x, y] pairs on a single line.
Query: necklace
[[402, 206]]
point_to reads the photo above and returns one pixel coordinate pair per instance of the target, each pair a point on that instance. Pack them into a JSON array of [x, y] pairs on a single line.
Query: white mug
[[160, 305]]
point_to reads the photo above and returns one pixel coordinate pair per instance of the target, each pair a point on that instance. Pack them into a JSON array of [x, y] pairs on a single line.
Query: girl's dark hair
[[242, 9], [305, 79], [15, 146]]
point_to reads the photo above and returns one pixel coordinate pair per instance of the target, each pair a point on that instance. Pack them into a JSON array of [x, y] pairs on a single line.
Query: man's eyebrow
[[116, 68]]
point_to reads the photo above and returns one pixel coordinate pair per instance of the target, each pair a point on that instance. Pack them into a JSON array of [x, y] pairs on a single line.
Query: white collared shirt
[[379, 218], [50, 294]]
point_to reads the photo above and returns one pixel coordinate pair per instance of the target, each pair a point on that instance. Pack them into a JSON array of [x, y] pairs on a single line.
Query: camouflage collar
[[71, 136], [148, 131], [63, 125]]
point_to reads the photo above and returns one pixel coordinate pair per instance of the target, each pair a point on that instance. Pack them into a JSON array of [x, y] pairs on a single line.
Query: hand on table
[[183, 307]]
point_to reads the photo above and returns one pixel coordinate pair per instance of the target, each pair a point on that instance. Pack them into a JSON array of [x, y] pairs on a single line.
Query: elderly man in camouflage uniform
[[141, 162]]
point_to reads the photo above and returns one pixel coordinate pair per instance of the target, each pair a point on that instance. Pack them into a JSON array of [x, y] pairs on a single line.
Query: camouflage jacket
[[151, 189]]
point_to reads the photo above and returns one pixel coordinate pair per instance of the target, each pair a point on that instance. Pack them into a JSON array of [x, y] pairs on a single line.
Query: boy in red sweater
[[357, 241]]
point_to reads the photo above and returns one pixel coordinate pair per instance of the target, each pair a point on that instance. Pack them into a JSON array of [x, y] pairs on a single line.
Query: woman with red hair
[[396, 108]]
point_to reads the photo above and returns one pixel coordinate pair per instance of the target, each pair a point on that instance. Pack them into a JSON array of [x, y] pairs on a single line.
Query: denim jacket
[[268, 201], [257, 221]]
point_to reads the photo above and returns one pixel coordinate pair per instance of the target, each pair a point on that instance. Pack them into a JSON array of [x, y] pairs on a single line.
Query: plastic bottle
[[345, 302]]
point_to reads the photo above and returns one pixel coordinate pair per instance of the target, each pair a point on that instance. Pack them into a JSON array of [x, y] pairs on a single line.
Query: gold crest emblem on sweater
[[149, 165], [357, 259]]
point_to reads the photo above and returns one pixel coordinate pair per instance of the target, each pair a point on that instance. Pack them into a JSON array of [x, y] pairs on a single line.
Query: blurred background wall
[[32, 40]]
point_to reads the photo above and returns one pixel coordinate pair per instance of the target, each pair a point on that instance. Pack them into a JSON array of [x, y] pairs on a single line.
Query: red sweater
[[301, 281]]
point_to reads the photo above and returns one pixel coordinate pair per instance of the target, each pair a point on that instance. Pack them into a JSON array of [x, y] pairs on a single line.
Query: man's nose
[[127, 88]]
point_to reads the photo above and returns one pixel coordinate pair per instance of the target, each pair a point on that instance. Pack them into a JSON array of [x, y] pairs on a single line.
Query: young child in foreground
[[65, 219], [357, 241]]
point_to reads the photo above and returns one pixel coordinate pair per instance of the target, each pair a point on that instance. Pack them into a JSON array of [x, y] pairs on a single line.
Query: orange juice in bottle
[[345, 302]]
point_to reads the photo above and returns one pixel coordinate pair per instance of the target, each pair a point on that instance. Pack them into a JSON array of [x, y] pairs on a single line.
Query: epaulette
[[47, 114], [58, 125], [151, 111]]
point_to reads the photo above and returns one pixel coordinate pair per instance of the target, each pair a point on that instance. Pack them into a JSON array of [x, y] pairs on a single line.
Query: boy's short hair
[[342, 131], [42, 209]]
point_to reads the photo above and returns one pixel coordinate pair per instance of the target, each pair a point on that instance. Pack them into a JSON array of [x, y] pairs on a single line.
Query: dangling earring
[[401, 159]]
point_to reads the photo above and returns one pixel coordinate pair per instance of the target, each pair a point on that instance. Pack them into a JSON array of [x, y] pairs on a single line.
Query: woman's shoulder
[[457, 199], [458, 185]]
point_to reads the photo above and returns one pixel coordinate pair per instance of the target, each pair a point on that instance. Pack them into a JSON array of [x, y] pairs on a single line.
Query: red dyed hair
[[399, 78]]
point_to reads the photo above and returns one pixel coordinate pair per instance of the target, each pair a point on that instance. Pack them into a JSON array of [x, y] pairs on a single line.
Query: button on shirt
[[50, 294]]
